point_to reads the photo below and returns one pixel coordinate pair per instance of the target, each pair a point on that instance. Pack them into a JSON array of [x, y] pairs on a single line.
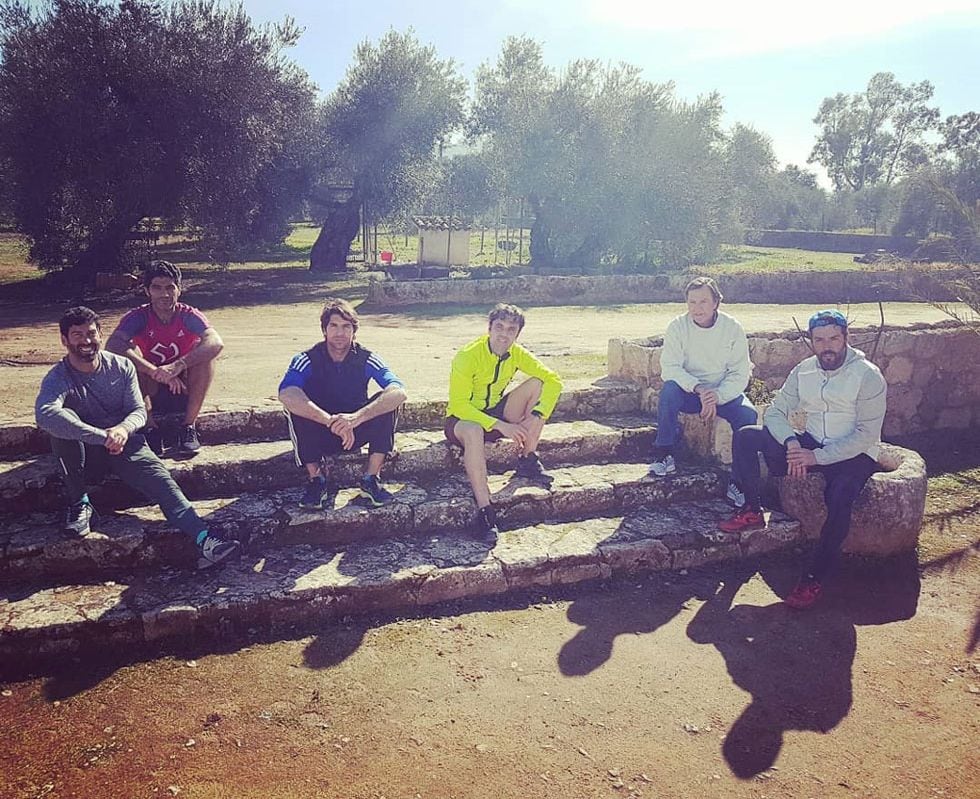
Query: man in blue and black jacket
[[325, 393]]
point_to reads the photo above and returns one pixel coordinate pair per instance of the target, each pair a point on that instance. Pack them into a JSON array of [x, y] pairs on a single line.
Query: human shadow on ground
[[951, 562], [797, 665], [604, 617]]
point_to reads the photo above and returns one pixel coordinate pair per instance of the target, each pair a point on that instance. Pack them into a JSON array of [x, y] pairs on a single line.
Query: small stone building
[[443, 241]]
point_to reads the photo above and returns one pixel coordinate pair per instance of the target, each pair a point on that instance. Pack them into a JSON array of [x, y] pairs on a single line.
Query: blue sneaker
[[319, 494], [372, 493]]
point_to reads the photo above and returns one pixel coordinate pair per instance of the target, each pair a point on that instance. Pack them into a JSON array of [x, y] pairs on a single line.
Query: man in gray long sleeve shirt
[[843, 396], [91, 406]]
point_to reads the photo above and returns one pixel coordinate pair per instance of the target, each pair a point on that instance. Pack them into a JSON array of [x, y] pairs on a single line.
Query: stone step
[[224, 469], [265, 421], [276, 592], [32, 547]]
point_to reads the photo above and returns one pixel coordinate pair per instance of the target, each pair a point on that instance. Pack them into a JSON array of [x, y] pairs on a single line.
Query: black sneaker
[[319, 494], [154, 440], [529, 467], [214, 549], [188, 444], [78, 518], [487, 521], [372, 493]]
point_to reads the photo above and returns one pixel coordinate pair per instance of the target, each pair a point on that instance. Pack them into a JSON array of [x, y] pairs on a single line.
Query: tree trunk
[[340, 227], [540, 247], [105, 253]]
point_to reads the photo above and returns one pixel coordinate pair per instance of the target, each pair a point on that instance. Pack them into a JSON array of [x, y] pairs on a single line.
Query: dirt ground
[[419, 343], [668, 686], [675, 685]]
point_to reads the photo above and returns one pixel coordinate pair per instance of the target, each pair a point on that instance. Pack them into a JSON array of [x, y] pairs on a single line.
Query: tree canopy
[[114, 113], [875, 136], [613, 166], [380, 129]]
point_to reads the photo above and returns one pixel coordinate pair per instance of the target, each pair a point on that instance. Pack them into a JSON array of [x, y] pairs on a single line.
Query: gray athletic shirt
[[81, 406]]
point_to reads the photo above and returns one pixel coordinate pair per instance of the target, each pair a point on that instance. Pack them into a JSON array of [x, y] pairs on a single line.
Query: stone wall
[[818, 288], [933, 371], [826, 241]]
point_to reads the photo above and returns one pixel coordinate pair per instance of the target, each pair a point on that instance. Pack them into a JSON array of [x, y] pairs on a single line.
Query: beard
[[85, 352], [831, 360]]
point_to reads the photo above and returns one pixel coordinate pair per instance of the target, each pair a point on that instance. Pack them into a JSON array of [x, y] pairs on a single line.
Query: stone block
[[899, 370], [692, 558], [616, 357], [887, 515], [169, 621], [443, 585], [635, 556]]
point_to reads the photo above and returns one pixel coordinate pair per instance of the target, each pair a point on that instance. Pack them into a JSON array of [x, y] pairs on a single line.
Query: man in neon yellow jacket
[[480, 411]]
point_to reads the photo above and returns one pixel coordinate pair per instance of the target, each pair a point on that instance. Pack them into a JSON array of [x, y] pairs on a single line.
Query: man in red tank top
[[173, 347]]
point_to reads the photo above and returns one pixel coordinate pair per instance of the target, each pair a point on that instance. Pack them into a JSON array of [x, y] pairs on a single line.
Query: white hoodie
[[844, 408], [716, 356]]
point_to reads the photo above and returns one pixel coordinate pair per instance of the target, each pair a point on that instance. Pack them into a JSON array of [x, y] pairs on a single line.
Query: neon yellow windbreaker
[[478, 379]]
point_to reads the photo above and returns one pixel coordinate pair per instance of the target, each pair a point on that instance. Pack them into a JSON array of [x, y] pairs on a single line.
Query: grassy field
[[293, 254]]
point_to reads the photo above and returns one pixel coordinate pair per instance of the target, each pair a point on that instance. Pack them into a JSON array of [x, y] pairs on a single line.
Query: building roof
[[441, 223]]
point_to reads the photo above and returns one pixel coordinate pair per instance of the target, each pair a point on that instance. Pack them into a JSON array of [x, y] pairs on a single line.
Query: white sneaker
[[663, 467], [734, 495]]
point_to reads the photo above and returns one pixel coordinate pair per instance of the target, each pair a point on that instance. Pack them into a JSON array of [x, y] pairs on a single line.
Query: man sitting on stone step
[[705, 367], [480, 411], [90, 404], [325, 394], [173, 347], [843, 397]]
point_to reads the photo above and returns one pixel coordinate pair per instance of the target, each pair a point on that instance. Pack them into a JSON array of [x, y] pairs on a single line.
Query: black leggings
[[844, 481]]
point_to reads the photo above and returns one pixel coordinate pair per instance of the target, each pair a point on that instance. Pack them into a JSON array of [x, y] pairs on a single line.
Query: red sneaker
[[744, 519], [804, 595]]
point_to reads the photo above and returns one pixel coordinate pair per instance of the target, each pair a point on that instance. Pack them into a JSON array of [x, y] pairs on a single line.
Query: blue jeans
[[674, 401]]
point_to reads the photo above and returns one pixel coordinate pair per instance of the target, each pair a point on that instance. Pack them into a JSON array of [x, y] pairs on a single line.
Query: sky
[[772, 62]]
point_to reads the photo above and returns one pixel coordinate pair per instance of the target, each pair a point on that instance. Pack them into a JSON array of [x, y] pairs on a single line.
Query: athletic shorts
[[497, 412]]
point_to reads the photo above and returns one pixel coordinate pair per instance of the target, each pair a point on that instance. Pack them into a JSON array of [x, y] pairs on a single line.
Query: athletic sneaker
[[154, 440], [734, 494], [373, 493], [661, 467], [804, 595], [487, 521], [214, 549], [529, 467], [743, 519], [188, 444], [319, 494], [78, 518]]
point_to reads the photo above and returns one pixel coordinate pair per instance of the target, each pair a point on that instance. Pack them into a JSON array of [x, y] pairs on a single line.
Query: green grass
[[743, 258], [14, 267], [294, 253]]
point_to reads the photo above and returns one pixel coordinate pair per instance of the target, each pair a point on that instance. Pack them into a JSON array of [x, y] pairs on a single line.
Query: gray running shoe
[[663, 466], [214, 549], [78, 518]]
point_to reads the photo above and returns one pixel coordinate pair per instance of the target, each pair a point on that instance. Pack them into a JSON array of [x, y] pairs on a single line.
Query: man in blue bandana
[[843, 397]]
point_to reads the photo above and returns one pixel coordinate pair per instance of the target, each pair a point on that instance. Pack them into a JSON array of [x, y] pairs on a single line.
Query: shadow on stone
[[797, 665]]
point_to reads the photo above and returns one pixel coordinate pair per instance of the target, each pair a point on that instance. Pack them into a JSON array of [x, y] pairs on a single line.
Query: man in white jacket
[[705, 367], [843, 397]]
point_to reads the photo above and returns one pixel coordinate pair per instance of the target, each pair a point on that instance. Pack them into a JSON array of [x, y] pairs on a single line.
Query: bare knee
[[469, 434]]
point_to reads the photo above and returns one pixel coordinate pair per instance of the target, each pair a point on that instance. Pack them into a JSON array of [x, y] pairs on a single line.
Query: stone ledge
[[265, 421], [290, 587], [33, 548], [224, 469]]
